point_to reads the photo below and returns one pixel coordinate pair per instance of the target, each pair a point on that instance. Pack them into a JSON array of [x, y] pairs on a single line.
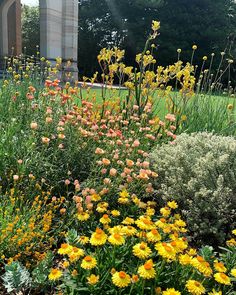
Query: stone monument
[[59, 31], [10, 27]]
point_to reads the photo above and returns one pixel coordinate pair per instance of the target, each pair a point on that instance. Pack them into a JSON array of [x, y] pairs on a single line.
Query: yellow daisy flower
[[194, 287], [201, 265], [214, 292], [219, 266], [83, 216], [93, 279], [233, 272], [185, 259], [147, 270], [166, 251], [105, 219], [128, 221], [98, 238], [55, 274], [165, 211], [124, 194], [141, 250], [145, 223], [121, 279], [76, 254], [83, 240], [171, 291], [129, 230], [88, 262], [116, 239], [172, 205], [115, 213], [65, 249], [153, 236], [222, 278]]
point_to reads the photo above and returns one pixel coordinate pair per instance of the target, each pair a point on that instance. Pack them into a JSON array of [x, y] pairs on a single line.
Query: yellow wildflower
[[83, 216], [194, 287], [98, 238], [142, 250], [153, 236], [171, 291], [55, 274], [116, 239], [88, 262], [222, 278], [121, 279], [92, 279], [147, 270]]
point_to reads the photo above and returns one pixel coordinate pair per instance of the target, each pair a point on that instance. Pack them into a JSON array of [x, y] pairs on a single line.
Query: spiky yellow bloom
[[147, 271], [124, 194], [89, 262], [98, 238], [153, 236], [165, 211], [96, 198], [121, 279], [194, 287], [145, 223], [123, 200], [155, 25], [179, 244], [55, 274], [185, 259], [233, 272], [105, 219], [171, 291], [180, 223], [115, 213], [116, 239], [83, 240], [134, 278], [129, 230], [222, 278], [219, 266], [234, 232], [83, 216], [166, 251], [172, 205], [201, 265], [214, 292], [141, 250], [128, 221], [75, 254], [93, 279], [161, 223], [65, 249]]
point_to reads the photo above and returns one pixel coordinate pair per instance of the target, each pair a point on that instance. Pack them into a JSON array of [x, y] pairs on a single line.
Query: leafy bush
[[199, 171]]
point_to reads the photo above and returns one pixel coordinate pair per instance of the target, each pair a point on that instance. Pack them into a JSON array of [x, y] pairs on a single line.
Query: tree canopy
[[125, 23]]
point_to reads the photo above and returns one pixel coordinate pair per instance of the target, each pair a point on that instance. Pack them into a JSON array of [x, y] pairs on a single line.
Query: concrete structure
[[59, 31], [10, 27]]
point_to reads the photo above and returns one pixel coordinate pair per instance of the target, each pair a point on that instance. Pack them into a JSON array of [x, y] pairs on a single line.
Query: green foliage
[[16, 278], [30, 29], [41, 272], [199, 171], [210, 113], [209, 24]]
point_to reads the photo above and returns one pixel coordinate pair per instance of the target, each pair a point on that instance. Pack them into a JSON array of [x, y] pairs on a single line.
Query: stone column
[[10, 27], [59, 31]]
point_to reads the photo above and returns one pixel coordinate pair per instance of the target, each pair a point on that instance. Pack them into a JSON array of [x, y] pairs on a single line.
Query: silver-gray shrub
[[199, 171]]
